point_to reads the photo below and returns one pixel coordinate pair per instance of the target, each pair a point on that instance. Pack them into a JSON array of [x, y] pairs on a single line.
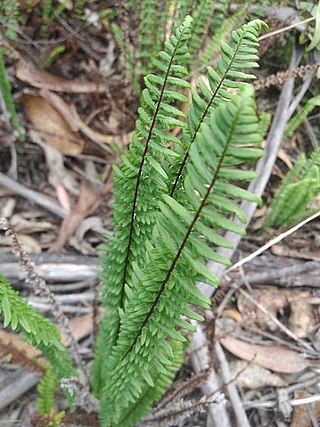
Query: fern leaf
[[46, 389], [212, 49], [296, 121], [296, 192], [241, 53], [166, 286], [5, 89], [201, 20], [140, 182], [20, 315]]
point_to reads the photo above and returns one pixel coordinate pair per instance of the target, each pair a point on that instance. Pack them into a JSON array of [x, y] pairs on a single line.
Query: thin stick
[[272, 242], [282, 30]]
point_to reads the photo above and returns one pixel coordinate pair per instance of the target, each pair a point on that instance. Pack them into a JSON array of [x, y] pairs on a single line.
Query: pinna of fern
[[138, 185], [164, 288]]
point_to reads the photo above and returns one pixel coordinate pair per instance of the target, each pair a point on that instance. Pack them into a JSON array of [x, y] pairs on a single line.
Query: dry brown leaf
[[275, 358], [71, 116], [20, 353], [252, 376], [87, 203], [28, 4], [233, 313], [43, 80], [24, 226], [301, 319], [300, 416], [80, 326], [52, 126], [272, 300], [28, 243]]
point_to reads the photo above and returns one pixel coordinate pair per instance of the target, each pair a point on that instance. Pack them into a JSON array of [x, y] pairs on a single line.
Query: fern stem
[[183, 244]]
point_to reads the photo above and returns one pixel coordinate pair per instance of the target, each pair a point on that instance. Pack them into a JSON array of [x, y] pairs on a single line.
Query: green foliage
[[139, 184], [241, 53], [162, 291], [40, 332], [297, 191], [227, 24], [46, 389], [20, 315], [298, 118], [53, 55], [9, 17], [5, 89], [201, 20], [150, 273]]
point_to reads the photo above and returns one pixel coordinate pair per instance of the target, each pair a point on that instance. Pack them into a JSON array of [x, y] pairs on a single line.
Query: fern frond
[[46, 389], [201, 19], [5, 89], [149, 40], [298, 118], [37, 330], [239, 54], [296, 192], [20, 315], [213, 47], [163, 290], [128, 56], [151, 394], [140, 182]]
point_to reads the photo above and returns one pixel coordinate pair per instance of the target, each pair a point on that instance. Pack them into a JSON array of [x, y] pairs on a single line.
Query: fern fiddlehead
[[167, 285], [141, 180]]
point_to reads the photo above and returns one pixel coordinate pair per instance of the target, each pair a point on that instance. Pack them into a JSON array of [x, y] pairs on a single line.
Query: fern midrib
[[134, 205], [202, 119], [183, 244]]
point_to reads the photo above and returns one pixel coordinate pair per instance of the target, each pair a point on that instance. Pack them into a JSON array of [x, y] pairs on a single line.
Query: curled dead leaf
[[43, 80], [302, 319], [273, 357], [252, 376], [52, 126]]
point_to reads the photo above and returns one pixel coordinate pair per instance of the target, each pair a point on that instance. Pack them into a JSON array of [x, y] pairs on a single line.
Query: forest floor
[[78, 114]]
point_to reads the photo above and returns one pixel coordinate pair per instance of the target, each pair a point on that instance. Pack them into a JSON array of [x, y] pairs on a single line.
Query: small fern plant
[[298, 189], [176, 194]]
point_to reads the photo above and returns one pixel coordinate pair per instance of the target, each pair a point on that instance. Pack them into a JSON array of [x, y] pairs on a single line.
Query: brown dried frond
[[21, 354], [281, 77]]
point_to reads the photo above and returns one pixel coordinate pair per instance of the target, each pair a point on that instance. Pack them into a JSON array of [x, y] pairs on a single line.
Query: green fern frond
[[5, 89], [140, 182], [298, 118], [149, 40], [296, 192], [37, 330], [201, 19], [213, 47], [239, 54], [151, 394], [46, 390], [20, 315], [163, 290], [128, 57]]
